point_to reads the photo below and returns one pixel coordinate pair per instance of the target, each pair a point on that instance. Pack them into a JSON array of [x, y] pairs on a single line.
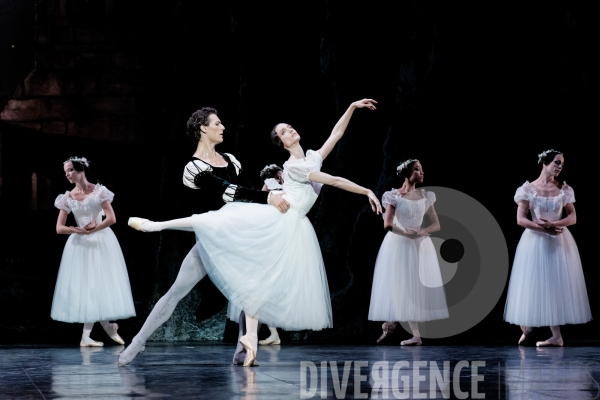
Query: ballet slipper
[[524, 335], [88, 342], [250, 352], [136, 223], [415, 341], [115, 336], [269, 341], [130, 353], [388, 328], [550, 342]]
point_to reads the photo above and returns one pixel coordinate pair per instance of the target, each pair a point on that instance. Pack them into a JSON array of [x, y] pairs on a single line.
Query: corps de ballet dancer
[[546, 286], [407, 282], [267, 263], [92, 284]]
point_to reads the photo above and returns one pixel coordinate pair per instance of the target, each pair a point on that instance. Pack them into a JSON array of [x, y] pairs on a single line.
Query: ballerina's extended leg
[[191, 272], [145, 225]]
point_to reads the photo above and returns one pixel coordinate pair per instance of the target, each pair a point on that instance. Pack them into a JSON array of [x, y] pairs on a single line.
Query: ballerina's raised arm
[[340, 127]]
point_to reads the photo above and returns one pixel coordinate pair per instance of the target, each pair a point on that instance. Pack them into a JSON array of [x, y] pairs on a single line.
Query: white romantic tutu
[[267, 263], [407, 282], [547, 286], [92, 283]]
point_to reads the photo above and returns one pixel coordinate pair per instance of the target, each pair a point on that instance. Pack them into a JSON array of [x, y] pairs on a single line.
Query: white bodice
[[409, 213], [549, 208], [300, 192], [88, 209]]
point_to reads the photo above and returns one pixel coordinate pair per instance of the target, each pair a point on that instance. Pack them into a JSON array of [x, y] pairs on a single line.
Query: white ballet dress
[[92, 283], [266, 262], [407, 282], [546, 287]]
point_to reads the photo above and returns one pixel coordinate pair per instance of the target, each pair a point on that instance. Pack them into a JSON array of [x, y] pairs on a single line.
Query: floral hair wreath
[[81, 160], [545, 153], [404, 165]]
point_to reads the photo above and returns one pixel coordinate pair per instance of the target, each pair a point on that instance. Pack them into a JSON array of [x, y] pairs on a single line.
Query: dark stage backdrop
[[474, 90]]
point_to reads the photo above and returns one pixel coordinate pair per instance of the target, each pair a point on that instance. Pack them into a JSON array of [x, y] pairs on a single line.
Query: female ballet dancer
[[407, 282], [546, 287], [272, 178], [267, 263], [92, 283]]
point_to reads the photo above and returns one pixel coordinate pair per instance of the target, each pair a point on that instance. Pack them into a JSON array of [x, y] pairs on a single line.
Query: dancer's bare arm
[[340, 127], [345, 184], [569, 220], [522, 220]]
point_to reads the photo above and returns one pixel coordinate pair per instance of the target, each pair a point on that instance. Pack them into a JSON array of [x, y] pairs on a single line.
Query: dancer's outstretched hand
[[375, 204], [365, 103]]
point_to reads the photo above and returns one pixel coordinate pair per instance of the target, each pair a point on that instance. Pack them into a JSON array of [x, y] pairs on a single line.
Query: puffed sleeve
[[390, 198], [62, 202], [568, 194], [299, 171], [430, 198], [105, 194], [523, 193]]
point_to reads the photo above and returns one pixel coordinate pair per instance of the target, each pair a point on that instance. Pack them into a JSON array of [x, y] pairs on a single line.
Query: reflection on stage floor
[[204, 370]]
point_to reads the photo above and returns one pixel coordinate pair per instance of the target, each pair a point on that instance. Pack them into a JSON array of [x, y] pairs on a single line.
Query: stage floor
[[204, 371]]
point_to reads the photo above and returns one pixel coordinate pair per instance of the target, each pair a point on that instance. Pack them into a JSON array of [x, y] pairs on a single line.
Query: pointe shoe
[[136, 223], [411, 342], [88, 342], [115, 336], [549, 343], [250, 352], [130, 353], [269, 341], [524, 336], [388, 328]]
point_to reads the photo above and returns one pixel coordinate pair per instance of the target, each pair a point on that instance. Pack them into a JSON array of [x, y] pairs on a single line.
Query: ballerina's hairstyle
[[79, 163], [404, 169], [196, 120], [275, 138], [546, 157], [269, 171]]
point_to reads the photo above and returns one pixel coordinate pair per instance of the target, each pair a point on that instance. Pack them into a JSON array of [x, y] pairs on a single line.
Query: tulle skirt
[[92, 283], [267, 263], [407, 282], [547, 286]]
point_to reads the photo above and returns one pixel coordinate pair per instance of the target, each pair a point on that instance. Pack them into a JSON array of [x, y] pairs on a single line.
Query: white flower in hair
[[545, 153], [404, 165], [81, 160], [270, 168]]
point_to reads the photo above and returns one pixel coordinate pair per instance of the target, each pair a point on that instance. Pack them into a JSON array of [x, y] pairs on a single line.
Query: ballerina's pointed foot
[[525, 335], [130, 353], [388, 328], [114, 335], [87, 342], [250, 352], [550, 342], [415, 341], [136, 223]]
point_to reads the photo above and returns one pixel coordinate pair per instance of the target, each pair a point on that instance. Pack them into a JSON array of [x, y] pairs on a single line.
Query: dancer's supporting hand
[[276, 200]]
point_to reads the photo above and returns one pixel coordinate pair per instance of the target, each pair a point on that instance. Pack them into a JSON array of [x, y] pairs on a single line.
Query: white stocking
[[87, 330], [414, 327], [181, 224], [191, 272]]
